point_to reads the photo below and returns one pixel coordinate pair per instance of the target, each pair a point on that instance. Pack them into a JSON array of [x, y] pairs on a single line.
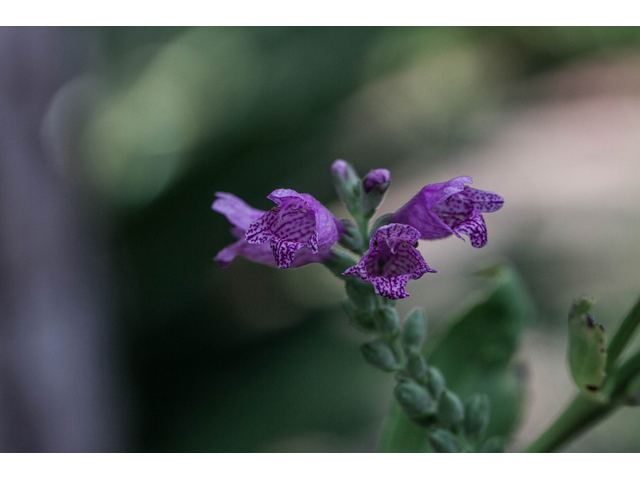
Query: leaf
[[475, 355]]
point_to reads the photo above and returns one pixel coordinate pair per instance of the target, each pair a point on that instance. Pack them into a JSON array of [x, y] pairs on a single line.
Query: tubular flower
[[450, 208], [391, 261], [298, 220], [241, 216]]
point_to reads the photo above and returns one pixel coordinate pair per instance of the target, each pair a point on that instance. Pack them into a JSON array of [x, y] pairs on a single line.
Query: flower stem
[[623, 335], [578, 416]]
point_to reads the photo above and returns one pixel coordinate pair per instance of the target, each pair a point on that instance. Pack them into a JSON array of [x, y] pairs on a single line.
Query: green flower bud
[[348, 185], [435, 382], [416, 365], [380, 355], [351, 237], [450, 408], [414, 400], [387, 319], [414, 331], [361, 294], [587, 355], [493, 445], [361, 319], [477, 411], [443, 441]]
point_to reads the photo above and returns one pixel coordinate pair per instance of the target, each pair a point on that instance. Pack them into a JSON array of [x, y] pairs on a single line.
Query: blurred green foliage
[[227, 360]]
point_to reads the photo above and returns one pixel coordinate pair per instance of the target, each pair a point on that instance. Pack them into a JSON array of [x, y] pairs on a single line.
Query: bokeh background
[[118, 332]]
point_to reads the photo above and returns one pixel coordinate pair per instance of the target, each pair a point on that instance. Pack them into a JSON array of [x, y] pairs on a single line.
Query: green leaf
[[587, 355], [475, 355]]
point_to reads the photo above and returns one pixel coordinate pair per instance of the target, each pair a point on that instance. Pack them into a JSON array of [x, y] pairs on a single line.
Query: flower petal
[[482, 201], [475, 228], [236, 210], [391, 287], [284, 251], [260, 230]]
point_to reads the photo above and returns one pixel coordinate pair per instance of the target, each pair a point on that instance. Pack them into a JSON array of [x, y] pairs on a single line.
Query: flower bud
[[416, 365], [375, 186], [414, 331], [361, 294], [347, 184], [378, 179], [362, 319], [387, 319], [435, 382], [477, 411], [450, 408], [379, 354], [414, 399], [493, 445], [443, 441], [351, 237]]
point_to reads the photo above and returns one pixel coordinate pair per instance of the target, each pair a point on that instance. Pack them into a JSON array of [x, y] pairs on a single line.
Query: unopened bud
[[443, 441], [493, 445], [362, 319], [414, 399], [351, 237], [347, 184], [375, 186], [414, 331], [477, 410], [435, 382], [450, 408], [387, 319], [379, 354], [416, 365], [361, 294]]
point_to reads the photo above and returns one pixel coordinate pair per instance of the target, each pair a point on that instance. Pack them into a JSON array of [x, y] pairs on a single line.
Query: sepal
[[380, 355], [443, 441], [414, 399]]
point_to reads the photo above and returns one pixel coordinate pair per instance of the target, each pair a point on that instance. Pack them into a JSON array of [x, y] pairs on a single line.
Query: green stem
[[583, 412], [622, 376], [623, 335], [363, 226], [577, 417]]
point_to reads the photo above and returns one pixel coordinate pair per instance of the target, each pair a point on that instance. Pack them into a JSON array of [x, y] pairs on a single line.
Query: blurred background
[[118, 331]]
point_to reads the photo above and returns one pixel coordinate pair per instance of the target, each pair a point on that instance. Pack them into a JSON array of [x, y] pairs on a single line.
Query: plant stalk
[[577, 417]]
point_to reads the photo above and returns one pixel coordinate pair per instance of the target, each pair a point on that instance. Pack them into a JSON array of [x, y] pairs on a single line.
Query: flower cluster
[[299, 230]]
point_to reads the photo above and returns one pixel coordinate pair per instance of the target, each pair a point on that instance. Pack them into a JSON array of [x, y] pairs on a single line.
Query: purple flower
[[391, 261], [241, 216], [297, 221], [379, 178], [443, 209]]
